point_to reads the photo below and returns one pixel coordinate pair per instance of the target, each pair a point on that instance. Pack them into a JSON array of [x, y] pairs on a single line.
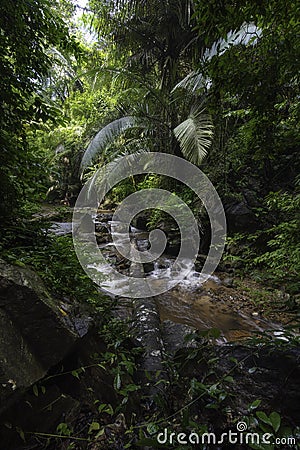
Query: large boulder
[[36, 332], [240, 217]]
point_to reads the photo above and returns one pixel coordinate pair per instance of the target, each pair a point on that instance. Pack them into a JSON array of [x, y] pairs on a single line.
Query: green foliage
[[282, 259], [55, 97], [54, 259], [272, 425], [84, 108], [63, 429], [158, 111], [28, 30], [272, 253], [105, 137], [119, 360], [194, 135]]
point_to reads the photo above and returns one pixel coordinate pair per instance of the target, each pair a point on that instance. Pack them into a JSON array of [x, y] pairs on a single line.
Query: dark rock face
[[173, 245], [35, 332], [276, 379], [59, 397], [174, 336], [240, 217], [140, 221]]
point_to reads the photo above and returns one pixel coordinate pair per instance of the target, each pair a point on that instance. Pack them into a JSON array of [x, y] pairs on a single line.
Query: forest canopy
[[84, 83]]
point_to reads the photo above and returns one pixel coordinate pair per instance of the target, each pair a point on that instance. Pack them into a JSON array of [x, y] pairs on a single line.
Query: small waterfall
[[197, 301]]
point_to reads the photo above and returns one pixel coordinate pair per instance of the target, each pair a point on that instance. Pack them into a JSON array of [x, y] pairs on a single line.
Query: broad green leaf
[[75, 374], [276, 420], [21, 433], [229, 379], [100, 433], [95, 426], [107, 136], [117, 382], [35, 390], [195, 135], [263, 417], [254, 404], [152, 428]]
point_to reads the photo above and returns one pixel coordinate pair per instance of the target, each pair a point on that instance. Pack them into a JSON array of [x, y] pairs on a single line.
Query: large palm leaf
[[107, 136], [192, 82], [195, 135]]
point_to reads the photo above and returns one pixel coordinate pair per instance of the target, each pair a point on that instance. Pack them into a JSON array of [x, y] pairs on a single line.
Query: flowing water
[[191, 302]]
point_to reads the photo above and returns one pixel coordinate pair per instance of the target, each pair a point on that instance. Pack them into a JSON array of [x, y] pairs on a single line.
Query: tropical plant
[[29, 29], [158, 43], [193, 135]]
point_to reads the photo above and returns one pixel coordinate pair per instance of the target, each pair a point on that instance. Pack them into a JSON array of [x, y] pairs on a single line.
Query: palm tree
[[193, 135], [161, 45]]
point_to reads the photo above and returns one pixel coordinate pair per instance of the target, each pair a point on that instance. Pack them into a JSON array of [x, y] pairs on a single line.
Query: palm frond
[[195, 135], [192, 82], [125, 77], [107, 136], [105, 177]]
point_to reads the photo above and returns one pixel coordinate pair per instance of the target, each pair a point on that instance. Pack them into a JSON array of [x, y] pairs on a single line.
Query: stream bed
[[213, 304], [186, 347]]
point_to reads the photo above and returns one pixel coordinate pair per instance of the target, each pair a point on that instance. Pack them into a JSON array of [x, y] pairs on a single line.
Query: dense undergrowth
[[192, 395], [214, 82]]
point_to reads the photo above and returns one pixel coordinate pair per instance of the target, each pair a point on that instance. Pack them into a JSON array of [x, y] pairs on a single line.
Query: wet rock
[[200, 261], [101, 228], [54, 214], [104, 216], [147, 333], [102, 238], [148, 267], [54, 194], [35, 332], [251, 198], [176, 336], [228, 282], [173, 248], [60, 397], [109, 207], [61, 228]]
